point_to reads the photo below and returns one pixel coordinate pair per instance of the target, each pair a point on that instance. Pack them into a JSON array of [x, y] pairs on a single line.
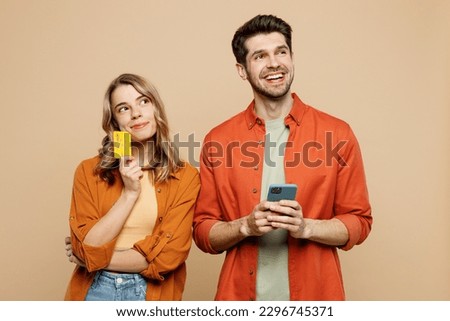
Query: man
[[284, 250]]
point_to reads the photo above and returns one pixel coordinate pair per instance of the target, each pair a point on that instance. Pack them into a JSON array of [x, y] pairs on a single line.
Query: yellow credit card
[[122, 144]]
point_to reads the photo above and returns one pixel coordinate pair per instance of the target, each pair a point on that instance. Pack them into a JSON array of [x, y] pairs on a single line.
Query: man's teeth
[[277, 76]]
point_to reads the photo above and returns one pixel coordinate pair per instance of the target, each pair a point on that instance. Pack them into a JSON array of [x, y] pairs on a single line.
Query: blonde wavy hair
[[164, 160]]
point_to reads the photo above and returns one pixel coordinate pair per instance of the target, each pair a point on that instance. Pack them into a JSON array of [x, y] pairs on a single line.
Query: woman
[[131, 219]]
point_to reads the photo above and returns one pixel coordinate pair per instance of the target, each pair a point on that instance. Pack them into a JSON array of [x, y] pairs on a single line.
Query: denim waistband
[[120, 280]]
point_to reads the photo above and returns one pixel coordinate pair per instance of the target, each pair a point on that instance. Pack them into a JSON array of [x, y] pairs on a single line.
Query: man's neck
[[268, 109]]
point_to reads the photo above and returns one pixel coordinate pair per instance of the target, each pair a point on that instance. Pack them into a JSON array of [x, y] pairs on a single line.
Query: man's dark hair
[[260, 24]]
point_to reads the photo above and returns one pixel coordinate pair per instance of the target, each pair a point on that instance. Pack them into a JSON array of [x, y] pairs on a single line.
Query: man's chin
[[274, 95]]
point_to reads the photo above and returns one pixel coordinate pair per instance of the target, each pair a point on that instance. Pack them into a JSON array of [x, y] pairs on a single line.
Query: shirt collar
[[296, 114]]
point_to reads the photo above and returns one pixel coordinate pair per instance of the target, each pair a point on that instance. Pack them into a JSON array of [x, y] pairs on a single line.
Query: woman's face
[[133, 113]]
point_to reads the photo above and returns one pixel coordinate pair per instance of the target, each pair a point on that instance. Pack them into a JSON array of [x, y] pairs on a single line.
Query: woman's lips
[[139, 126]]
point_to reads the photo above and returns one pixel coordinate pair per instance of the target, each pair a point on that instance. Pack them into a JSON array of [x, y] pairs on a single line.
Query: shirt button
[[255, 168], [254, 190], [158, 190], [250, 272], [119, 280], [258, 121]]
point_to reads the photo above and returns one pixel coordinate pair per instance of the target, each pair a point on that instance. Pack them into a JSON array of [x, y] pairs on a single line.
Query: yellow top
[[142, 218]]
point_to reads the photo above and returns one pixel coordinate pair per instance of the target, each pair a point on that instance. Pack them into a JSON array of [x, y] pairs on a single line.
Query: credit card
[[122, 144]]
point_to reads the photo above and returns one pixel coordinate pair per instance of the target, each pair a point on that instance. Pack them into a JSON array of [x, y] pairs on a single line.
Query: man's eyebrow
[[257, 52], [282, 47]]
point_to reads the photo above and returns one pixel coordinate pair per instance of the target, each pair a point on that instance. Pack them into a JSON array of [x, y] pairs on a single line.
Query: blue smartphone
[[279, 192]]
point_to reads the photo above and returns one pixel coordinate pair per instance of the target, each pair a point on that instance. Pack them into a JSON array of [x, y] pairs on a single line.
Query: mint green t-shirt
[[272, 281]]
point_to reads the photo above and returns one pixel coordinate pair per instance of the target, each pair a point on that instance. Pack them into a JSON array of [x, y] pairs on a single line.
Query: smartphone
[[282, 192], [122, 144]]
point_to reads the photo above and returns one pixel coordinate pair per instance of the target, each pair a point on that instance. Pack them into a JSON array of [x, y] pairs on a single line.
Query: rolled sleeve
[[170, 244], [352, 205], [207, 210], [84, 214]]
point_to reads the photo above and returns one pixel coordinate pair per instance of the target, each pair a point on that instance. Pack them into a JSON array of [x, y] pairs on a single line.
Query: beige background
[[383, 66]]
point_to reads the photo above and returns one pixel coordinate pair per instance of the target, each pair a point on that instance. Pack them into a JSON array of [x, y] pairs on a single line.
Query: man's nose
[[272, 61]]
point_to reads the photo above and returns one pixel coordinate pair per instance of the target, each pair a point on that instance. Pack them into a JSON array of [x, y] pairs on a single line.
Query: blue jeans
[[109, 286]]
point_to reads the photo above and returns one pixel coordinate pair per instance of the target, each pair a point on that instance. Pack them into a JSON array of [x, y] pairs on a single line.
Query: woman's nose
[[135, 113]]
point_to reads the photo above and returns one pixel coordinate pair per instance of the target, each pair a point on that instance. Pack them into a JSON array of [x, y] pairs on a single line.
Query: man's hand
[[288, 215], [256, 223]]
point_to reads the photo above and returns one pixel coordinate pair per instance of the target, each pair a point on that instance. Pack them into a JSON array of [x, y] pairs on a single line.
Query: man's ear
[[241, 71]]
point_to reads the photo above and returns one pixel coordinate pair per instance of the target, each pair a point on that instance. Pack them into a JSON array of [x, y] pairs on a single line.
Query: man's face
[[270, 69]]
